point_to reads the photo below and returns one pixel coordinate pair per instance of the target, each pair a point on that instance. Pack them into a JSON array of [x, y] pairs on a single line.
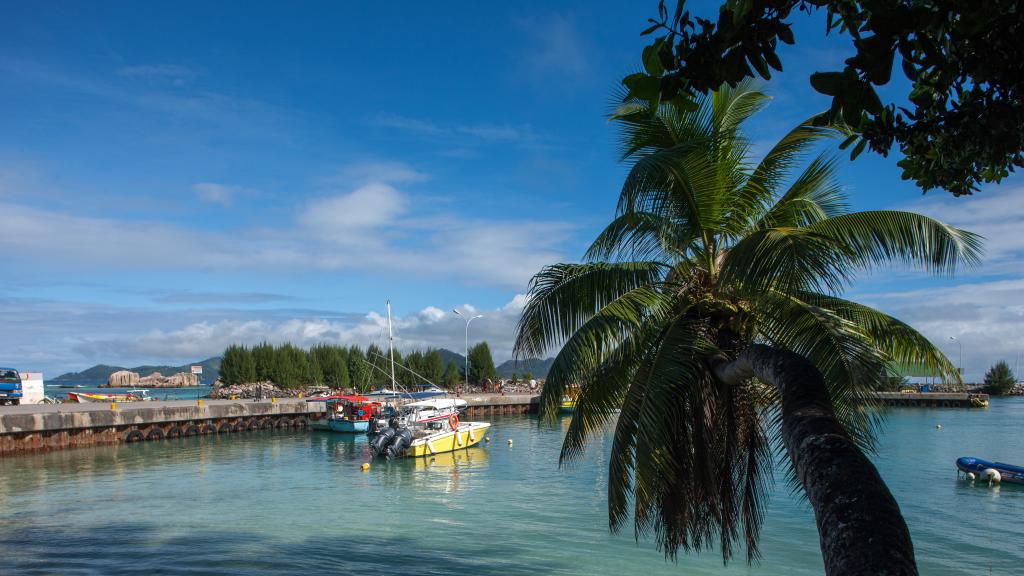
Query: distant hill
[[99, 373], [535, 366], [449, 356]]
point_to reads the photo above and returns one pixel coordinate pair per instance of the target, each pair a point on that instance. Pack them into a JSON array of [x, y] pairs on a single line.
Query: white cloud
[[214, 193], [365, 226], [481, 132], [556, 46], [63, 336], [173, 73], [370, 206]]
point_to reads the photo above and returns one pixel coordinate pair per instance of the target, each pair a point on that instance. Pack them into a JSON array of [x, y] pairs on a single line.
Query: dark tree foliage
[[1000, 379], [433, 366], [451, 375], [481, 363], [339, 367], [965, 62]]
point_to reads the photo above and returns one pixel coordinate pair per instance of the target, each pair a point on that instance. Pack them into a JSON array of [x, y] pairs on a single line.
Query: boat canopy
[[338, 397], [439, 403]]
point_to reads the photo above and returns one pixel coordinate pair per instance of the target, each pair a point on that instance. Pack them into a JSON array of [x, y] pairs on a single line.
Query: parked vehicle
[[10, 386]]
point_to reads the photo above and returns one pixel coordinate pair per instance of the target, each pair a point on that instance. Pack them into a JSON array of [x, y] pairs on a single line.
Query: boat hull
[[82, 398], [468, 434], [318, 424], [348, 426], [1007, 472], [567, 406]]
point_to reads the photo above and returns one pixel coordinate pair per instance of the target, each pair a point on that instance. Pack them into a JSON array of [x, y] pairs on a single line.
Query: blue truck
[[10, 386]]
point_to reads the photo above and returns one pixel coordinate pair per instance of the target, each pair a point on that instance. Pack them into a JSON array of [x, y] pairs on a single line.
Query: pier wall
[[932, 399], [493, 404], [42, 428], [57, 427]]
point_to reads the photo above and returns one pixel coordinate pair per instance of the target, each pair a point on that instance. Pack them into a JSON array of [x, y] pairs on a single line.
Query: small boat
[[423, 428], [351, 414], [568, 404], [129, 396], [983, 469], [428, 439]]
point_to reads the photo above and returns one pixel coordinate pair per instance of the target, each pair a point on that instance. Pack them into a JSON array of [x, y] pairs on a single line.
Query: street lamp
[[960, 367], [468, 320]]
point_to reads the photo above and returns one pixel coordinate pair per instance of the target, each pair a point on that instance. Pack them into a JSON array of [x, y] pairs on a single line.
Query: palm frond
[[596, 340], [641, 236], [901, 344], [787, 260], [813, 196], [881, 237], [562, 297]]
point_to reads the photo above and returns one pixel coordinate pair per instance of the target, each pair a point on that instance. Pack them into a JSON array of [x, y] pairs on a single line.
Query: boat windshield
[[9, 376]]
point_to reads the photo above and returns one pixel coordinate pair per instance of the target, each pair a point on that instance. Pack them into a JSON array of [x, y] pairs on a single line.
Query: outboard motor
[[394, 423], [401, 441], [381, 441]]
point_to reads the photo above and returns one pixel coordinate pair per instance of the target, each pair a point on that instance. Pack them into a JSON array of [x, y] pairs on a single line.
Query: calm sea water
[[296, 502]]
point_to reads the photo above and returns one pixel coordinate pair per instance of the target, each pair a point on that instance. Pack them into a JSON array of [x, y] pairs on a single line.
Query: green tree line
[[290, 366]]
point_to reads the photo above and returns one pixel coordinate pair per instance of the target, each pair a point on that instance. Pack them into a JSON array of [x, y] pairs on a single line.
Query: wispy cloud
[[480, 132], [173, 73], [555, 47], [368, 225], [223, 194], [231, 298], [86, 334]]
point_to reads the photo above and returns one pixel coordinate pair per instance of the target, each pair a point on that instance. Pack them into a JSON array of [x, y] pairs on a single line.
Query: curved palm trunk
[[859, 523]]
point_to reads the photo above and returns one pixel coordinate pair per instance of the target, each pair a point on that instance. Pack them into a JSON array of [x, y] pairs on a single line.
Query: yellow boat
[[435, 442], [568, 404]]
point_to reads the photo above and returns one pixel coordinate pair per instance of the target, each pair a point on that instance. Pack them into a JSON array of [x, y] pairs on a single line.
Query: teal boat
[[350, 414]]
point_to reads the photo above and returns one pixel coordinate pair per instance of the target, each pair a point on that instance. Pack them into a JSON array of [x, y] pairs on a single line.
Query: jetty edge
[[48, 427]]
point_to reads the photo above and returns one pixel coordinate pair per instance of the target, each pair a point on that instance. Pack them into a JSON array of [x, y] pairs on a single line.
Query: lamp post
[[960, 363], [468, 320]]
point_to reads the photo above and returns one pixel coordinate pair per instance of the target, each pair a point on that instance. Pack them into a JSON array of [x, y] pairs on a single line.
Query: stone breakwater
[[40, 428], [128, 379], [35, 428], [266, 390]]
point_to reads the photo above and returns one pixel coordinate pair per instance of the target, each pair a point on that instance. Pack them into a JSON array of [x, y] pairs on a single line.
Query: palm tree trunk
[[861, 529]]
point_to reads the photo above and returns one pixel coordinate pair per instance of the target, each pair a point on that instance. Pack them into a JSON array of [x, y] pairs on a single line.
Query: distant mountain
[[99, 373], [449, 356], [535, 366]]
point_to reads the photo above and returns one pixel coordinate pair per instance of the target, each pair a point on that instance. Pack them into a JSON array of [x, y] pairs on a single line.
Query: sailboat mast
[[391, 347]]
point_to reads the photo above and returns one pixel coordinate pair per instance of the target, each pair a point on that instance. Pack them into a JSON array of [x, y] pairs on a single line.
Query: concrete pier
[[58, 426], [933, 399], [46, 427]]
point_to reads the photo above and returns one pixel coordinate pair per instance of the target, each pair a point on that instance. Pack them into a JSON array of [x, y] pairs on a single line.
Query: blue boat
[[1007, 472], [348, 414], [348, 426]]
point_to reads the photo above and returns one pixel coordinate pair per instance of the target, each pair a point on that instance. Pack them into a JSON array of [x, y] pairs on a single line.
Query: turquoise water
[[286, 502]]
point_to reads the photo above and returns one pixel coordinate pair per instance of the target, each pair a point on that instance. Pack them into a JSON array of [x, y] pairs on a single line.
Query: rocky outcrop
[[158, 380], [123, 379]]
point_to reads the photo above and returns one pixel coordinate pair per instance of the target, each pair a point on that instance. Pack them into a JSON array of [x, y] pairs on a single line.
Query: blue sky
[[178, 176]]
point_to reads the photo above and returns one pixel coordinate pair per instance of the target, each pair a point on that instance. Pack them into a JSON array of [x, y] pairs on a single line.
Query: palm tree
[[710, 312]]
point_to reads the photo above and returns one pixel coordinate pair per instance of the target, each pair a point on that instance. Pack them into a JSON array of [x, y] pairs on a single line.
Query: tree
[[433, 366], [333, 364], [237, 365], [451, 375], [1000, 379], [358, 369], [481, 363], [264, 359], [715, 290], [963, 119]]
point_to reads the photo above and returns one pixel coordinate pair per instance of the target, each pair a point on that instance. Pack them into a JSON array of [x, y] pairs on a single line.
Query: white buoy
[[992, 475], [971, 476], [938, 426]]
